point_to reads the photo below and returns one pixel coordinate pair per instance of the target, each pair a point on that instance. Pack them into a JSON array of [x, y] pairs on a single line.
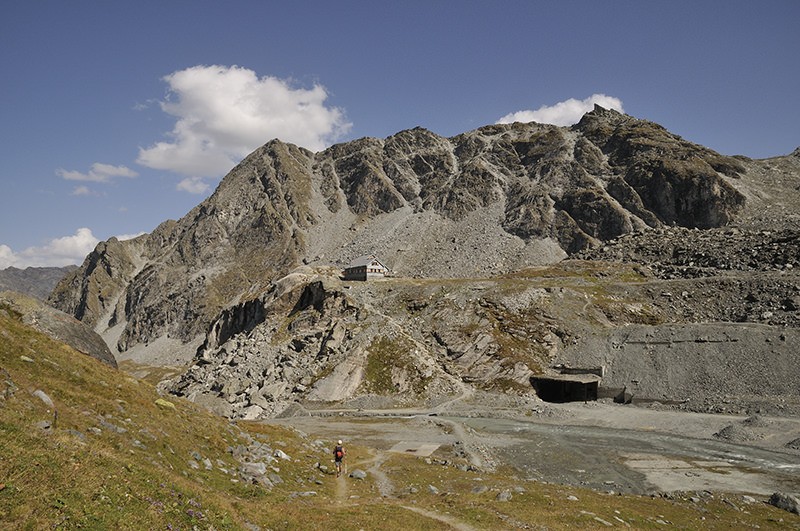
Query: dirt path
[[386, 490], [467, 392], [384, 484], [342, 492]]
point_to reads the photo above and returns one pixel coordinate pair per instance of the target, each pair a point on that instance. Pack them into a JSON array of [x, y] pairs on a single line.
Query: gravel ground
[[604, 446]]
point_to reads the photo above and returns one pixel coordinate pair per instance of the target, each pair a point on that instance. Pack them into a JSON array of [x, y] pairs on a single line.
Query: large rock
[[58, 325], [787, 502]]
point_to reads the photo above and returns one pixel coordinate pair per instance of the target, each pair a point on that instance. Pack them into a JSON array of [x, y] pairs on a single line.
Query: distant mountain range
[[35, 281]]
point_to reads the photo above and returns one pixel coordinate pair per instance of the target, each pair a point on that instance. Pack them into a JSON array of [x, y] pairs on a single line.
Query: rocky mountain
[[248, 280], [34, 281]]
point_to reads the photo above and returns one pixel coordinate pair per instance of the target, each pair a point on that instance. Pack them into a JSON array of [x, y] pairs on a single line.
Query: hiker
[[338, 457]]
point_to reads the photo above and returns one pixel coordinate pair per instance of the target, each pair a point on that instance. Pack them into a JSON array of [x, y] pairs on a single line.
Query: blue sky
[[115, 116]]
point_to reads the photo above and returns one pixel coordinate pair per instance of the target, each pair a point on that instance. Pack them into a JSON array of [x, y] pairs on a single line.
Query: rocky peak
[[489, 201], [107, 269], [679, 182]]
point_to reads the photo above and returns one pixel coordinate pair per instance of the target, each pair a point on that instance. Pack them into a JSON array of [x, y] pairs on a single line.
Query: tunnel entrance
[[566, 387]]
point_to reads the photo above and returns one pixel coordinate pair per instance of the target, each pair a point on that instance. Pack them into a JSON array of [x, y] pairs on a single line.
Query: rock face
[[58, 325], [485, 202], [315, 338], [171, 282], [419, 342], [34, 281]]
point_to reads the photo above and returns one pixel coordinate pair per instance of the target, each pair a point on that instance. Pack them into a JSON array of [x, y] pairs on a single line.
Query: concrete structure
[[365, 268], [566, 387]]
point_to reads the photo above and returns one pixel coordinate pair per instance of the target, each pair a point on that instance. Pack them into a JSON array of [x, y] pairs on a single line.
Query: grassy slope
[[135, 474]]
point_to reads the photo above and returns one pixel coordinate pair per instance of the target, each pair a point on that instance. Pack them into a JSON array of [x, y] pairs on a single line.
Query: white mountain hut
[[365, 268]]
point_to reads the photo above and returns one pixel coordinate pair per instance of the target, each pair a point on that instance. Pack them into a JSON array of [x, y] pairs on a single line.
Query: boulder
[[787, 502], [504, 496], [41, 395], [58, 325], [358, 474]]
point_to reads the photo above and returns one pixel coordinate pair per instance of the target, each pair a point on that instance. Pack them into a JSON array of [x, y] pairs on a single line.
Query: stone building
[[365, 268]]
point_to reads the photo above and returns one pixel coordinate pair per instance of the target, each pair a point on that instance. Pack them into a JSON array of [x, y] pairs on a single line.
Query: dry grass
[[473, 497], [113, 457]]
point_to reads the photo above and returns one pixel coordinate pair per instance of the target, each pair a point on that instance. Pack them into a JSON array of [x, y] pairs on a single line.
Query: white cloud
[[7, 257], [193, 185], [223, 113], [99, 173], [123, 237], [56, 253], [84, 190], [565, 112], [144, 106]]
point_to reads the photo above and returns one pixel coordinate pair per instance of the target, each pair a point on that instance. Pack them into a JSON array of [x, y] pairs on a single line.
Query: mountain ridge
[[499, 200], [34, 281], [266, 216]]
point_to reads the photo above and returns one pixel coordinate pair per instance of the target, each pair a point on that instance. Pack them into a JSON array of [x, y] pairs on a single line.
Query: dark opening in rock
[[566, 387]]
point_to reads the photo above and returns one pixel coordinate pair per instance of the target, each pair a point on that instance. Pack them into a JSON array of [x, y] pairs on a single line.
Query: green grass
[[134, 472], [378, 372], [387, 357]]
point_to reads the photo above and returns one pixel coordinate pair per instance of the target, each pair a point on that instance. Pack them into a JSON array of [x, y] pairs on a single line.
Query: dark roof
[[365, 260]]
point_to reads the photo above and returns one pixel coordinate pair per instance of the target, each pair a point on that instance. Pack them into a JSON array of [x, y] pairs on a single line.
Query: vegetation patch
[[520, 338], [140, 466], [628, 312], [148, 374], [390, 367], [475, 499]]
